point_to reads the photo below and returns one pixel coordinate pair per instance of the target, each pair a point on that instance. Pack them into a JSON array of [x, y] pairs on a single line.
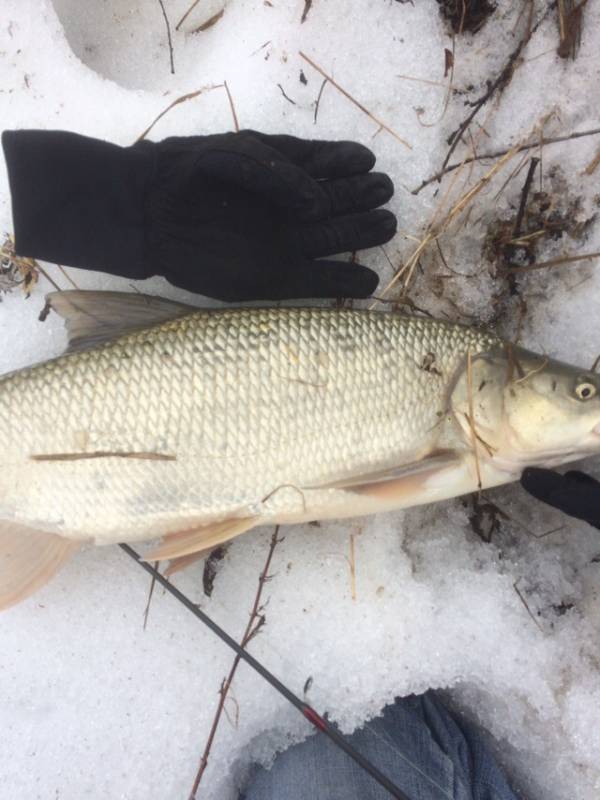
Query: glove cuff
[[78, 201]]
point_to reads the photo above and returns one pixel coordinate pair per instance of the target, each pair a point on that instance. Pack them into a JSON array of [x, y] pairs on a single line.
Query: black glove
[[574, 493], [236, 216]]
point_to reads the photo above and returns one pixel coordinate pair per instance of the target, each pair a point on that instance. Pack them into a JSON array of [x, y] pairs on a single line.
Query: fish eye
[[585, 390]]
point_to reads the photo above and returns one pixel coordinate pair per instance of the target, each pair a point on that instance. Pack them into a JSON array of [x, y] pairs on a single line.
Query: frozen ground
[[91, 706]]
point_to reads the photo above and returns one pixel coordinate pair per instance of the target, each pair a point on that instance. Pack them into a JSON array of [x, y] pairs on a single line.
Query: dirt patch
[[466, 15]]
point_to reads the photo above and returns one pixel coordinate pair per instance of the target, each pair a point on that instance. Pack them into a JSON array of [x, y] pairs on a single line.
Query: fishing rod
[[307, 711]]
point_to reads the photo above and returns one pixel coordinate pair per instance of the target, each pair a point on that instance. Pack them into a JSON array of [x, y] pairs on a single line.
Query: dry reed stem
[[382, 125]]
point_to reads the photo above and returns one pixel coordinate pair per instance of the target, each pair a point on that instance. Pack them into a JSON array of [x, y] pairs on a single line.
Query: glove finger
[[571, 496], [265, 172], [584, 479], [358, 192], [319, 157], [346, 234], [329, 279]]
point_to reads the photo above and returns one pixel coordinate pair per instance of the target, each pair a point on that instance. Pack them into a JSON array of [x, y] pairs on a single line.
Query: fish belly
[[247, 412]]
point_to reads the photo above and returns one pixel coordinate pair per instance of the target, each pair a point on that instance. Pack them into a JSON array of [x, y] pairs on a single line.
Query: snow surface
[[93, 706]]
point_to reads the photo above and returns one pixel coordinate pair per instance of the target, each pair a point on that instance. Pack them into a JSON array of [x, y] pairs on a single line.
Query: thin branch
[[485, 156], [382, 125], [164, 13], [255, 623], [498, 84], [186, 15]]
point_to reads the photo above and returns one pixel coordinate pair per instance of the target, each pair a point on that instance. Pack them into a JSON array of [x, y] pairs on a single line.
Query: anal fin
[[28, 559]]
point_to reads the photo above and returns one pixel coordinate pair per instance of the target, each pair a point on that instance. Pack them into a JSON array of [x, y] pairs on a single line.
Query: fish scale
[[254, 406]]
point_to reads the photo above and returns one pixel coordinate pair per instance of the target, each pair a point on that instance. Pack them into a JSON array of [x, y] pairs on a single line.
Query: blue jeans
[[427, 751]]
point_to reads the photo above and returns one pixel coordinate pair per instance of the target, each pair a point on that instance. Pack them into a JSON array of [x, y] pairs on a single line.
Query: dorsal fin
[[94, 318]]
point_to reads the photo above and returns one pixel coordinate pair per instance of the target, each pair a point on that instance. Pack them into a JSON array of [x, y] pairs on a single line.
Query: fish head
[[526, 409]]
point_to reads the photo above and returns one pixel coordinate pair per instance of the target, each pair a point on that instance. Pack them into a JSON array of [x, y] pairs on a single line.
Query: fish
[[165, 422]]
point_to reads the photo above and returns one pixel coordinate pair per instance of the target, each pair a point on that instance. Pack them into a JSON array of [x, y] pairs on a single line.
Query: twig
[[382, 125], [323, 85], [524, 194], [307, 7], [236, 123], [555, 262], [164, 13], [182, 99], [255, 623], [484, 156], [500, 82], [186, 15], [289, 99]]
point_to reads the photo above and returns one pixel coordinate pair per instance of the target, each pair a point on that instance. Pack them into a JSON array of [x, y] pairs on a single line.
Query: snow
[[92, 705]]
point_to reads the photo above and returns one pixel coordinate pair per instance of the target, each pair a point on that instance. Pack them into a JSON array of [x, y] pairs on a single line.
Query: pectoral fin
[[28, 559], [440, 459], [205, 538]]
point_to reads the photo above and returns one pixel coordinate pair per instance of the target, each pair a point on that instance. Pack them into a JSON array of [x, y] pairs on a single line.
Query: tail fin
[[28, 559]]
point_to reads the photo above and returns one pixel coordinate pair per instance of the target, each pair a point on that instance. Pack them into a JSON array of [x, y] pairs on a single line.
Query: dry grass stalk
[[209, 22], [150, 595], [236, 123], [255, 623], [556, 262], [435, 229], [593, 165], [183, 99], [382, 125]]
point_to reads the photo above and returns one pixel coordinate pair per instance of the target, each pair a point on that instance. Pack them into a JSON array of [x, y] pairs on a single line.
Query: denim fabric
[[418, 743]]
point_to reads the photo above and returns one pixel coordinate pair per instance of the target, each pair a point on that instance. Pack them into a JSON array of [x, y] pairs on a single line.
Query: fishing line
[[307, 711]]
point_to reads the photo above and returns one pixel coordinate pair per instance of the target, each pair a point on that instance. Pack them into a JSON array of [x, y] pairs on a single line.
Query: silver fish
[[195, 426]]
